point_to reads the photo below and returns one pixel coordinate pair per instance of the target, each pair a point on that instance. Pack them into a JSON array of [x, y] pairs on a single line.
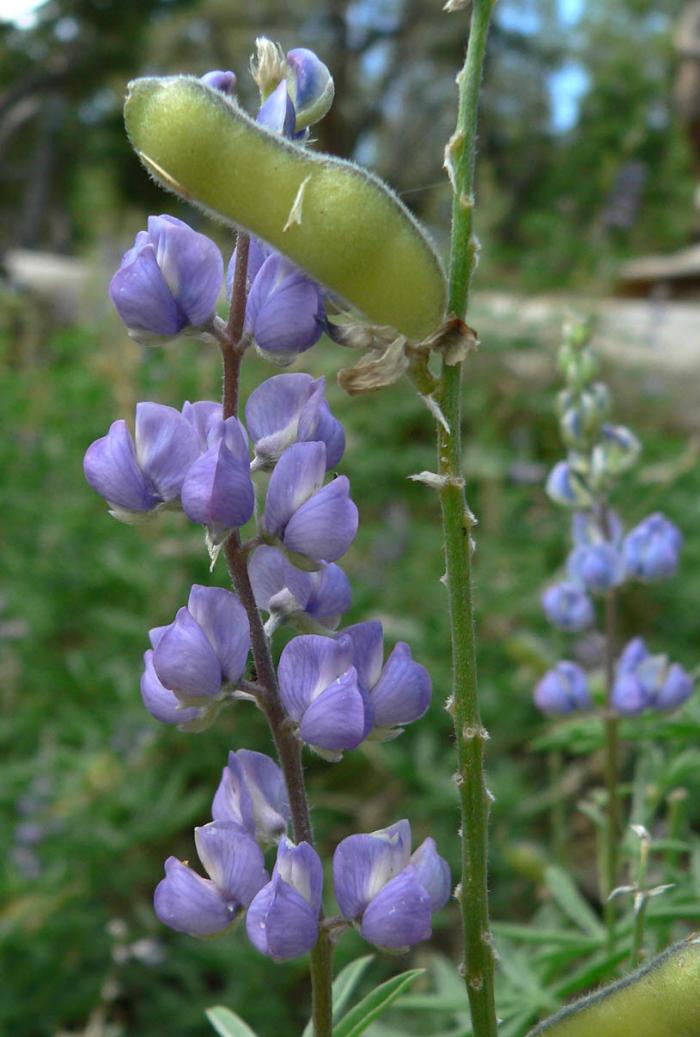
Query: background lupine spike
[[200, 145]]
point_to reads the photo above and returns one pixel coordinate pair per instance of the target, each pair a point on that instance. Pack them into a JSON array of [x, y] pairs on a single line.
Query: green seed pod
[[662, 999], [334, 219]]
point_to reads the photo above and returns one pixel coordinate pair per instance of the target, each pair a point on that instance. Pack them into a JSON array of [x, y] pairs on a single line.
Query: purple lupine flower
[[596, 567], [565, 486], [168, 281], [285, 313], [317, 521], [586, 529], [291, 408], [163, 704], [645, 681], [288, 593], [252, 792], [224, 82], [282, 920], [651, 550], [321, 693], [566, 606], [310, 86], [206, 418], [563, 689], [205, 648], [217, 491], [234, 862], [140, 475], [385, 891], [399, 690]]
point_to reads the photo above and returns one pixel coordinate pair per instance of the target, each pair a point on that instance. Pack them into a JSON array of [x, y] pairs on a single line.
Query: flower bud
[[567, 487], [282, 920], [277, 112], [205, 648], [142, 475], [617, 452], [563, 689], [317, 521], [310, 86], [566, 606], [399, 690], [205, 907], [167, 282], [386, 892], [224, 82], [651, 549], [320, 692], [252, 792], [291, 408], [579, 366]]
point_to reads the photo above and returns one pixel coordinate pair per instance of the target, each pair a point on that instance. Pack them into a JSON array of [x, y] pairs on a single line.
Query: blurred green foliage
[[94, 794]]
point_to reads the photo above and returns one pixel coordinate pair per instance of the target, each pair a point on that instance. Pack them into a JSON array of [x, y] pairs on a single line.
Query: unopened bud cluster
[[603, 554], [336, 688]]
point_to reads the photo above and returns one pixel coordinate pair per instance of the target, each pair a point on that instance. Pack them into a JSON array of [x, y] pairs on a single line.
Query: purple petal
[[635, 652], [363, 864], [300, 867], [628, 696], [563, 689], [325, 525], [284, 313], [166, 446], [232, 800], [331, 432], [270, 573], [191, 265], [367, 650], [224, 82], [141, 295], [280, 922], [218, 490], [223, 619], [232, 859], [331, 595], [677, 687], [402, 693], [567, 607], [257, 254], [191, 904], [433, 873], [185, 661], [399, 915], [277, 112], [337, 718], [159, 701], [281, 411], [307, 666], [310, 84], [297, 475], [111, 469], [204, 416], [268, 793]]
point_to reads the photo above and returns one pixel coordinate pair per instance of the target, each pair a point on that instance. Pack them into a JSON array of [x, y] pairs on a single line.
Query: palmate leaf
[[227, 1023], [359, 1018], [570, 901]]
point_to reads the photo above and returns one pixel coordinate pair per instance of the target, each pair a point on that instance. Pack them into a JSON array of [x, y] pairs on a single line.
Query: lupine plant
[[324, 248]]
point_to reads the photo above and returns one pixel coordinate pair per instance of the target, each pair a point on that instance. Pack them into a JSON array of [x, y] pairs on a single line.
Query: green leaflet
[[662, 999], [227, 1023], [336, 220]]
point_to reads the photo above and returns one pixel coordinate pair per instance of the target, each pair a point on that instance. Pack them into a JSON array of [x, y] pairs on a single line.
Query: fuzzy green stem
[[287, 746], [457, 524]]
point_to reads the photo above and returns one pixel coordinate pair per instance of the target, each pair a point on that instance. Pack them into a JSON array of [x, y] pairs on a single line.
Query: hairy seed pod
[[662, 999], [334, 219]]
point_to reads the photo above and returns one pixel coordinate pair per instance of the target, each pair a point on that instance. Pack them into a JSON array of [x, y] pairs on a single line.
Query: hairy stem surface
[[457, 523], [287, 746]]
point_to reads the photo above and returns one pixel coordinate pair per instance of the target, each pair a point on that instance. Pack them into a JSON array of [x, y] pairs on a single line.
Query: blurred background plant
[[93, 794]]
